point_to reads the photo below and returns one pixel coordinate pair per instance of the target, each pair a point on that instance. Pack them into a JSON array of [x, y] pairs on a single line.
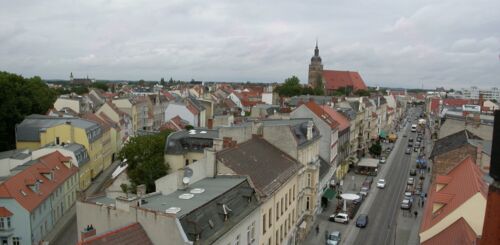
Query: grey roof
[[267, 166], [485, 145], [453, 125], [203, 214], [452, 142], [15, 154], [187, 141], [81, 154], [321, 100], [354, 105], [347, 112], [298, 126], [29, 129]]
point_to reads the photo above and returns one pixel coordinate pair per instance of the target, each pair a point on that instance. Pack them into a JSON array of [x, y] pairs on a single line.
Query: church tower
[[315, 68]]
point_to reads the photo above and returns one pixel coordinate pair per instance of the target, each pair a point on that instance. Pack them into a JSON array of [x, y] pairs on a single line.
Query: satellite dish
[[188, 173]]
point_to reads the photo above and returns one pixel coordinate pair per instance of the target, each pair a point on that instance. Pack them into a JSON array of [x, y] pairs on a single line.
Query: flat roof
[[213, 187]]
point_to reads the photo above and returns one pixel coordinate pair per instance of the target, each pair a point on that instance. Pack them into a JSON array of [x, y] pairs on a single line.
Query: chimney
[[217, 144], [309, 130], [492, 216], [141, 190], [210, 123], [87, 232]]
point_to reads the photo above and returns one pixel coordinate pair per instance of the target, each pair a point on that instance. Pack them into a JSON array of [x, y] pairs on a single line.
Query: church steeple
[[316, 50], [315, 68]]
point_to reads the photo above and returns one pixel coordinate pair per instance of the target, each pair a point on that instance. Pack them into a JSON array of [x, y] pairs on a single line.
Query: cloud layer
[[452, 43]]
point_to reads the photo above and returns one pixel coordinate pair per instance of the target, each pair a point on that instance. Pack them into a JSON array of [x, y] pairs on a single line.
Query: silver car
[[333, 238]]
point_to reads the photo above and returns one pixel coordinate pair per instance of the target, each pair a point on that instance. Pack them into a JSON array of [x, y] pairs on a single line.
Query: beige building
[[140, 110], [207, 209]]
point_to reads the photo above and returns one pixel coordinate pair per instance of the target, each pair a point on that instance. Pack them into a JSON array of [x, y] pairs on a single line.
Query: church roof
[[338, 79]]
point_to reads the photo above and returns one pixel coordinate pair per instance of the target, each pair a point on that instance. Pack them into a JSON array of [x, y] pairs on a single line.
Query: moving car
[[333, 238], [408, 151], [381, 183], [406, 204], [340, 218], [362, 221]]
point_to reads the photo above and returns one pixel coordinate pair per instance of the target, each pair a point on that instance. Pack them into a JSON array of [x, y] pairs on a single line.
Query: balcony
[[6, 232]]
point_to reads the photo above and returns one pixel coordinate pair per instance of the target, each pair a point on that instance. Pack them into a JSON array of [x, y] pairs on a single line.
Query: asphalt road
[[384, 210]]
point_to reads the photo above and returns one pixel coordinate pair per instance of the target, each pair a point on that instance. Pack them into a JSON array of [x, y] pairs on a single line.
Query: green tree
[[376, 149], [100, 85], [162, 82], [290, 88], [361, 92], [142, 83], [20, 97], [80, 89], [144, 156], [171, 80]]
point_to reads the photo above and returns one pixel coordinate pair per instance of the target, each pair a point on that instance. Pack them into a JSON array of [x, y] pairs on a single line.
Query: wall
[[241, 229], [27, 145], [443, 163], [73, 104], [105, 218], [20, 221], [281, 137], [472, 211], [238, 133], [174, 110], [324, 129]]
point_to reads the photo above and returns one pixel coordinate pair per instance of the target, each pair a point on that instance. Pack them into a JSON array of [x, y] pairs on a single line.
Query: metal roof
[[192, 140]]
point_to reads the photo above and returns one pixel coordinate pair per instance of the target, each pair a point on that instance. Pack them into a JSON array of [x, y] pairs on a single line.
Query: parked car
[[413, 172], [333, 238], [404, 135], [410, 181], [381, 183], [362, 221], [359, 200], [382, 160], [408, 195], [406, 204], [364, 190], [410, 144], [408, 151], [340, 218], [410, 140]]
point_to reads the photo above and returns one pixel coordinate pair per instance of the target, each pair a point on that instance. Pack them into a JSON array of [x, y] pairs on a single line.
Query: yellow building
[[140, 109], [36, 131]]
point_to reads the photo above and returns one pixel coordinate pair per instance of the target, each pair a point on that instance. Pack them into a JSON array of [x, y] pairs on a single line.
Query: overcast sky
[[397, 43]]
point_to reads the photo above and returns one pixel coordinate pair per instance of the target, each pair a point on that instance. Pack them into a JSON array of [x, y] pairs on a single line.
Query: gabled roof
[[4, 212], [267, 166], [321, 113], [458, 233], [94, 118], [338, 117], [35, 173], [452, 142], [338, 79], [132, 234], [455, 102], [463, 182]]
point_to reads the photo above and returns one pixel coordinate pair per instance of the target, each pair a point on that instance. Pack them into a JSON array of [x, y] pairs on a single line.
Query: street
[[69, 234]]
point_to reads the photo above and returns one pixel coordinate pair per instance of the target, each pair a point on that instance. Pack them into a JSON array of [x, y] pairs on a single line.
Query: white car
[[341, 218], [381, 183]]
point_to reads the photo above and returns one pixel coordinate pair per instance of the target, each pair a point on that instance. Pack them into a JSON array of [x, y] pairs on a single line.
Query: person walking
[[317, 229], [416, 213]]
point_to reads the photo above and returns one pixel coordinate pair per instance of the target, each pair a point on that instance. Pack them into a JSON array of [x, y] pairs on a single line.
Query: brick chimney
[[491, 227]]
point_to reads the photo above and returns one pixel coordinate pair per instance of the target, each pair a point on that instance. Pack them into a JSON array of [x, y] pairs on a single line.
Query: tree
[[188, 127], [100, 85], [20, 97], [124, 188], [290, 88], [376, 149], [144, 156], [171, 80], [361, 92], [79, 89], [162, 82], [142, 83]]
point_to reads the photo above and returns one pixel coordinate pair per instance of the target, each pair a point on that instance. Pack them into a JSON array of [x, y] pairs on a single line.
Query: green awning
[[383, 134], [329, 194]]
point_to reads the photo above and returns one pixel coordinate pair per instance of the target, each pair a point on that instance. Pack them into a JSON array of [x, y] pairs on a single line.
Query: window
[[307, 203], [2, 224], [264, 224], [277, 210], [282, 206], [294, 192], [270, 217], [237, 241], [286, 201], [250, 233], [187, 162], [290, 195], [277, 237], [57, 140], [8, 222], [16, 241], [309, 181]]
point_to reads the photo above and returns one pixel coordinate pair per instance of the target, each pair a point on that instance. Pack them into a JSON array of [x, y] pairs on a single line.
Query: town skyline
[[405, 45]]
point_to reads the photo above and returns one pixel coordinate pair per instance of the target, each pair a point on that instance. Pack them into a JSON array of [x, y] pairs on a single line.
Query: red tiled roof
[[443, 179], [132, 234], [192, 109], [316, 109], [458, 233], [435, 105], [169, 95], [455, 102], [174, 124], [465, 180], [338, 117], [4, 212], [15, 187], [338, 79]]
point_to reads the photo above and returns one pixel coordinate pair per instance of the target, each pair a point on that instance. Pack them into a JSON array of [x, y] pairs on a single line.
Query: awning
[[383, 134], [329, 194], [393, 136]]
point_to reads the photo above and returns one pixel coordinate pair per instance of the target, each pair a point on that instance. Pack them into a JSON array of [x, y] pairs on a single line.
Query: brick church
[[331, 79]]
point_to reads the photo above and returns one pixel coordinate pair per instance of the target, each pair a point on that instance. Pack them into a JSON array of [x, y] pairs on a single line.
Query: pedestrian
[[428, 169], [317, 229], [416, 213]]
